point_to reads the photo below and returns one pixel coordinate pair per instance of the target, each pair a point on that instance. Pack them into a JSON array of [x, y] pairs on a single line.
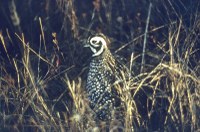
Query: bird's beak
[[86, 45]]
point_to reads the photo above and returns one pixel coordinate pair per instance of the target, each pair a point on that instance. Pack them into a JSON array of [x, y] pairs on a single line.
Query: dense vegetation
[[43, 64]]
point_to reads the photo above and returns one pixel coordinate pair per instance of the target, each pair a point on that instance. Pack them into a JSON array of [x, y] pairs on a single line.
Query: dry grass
[[44, 88]]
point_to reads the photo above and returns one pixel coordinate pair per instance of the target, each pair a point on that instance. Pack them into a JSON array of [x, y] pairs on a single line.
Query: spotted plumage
[[105, 78]]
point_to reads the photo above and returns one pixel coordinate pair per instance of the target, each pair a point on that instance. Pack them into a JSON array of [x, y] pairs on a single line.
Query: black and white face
[[97, 44]]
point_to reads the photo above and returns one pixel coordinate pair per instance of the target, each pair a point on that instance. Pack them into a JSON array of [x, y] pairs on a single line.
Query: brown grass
[[44, 88]]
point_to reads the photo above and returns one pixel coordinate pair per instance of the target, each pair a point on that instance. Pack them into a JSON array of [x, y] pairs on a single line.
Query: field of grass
[[43, 64]]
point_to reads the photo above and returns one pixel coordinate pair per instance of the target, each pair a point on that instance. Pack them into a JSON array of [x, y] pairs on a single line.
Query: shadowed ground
[[44, 66]]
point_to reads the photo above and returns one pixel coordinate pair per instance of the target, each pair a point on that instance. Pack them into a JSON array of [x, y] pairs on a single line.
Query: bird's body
[[104, 77]]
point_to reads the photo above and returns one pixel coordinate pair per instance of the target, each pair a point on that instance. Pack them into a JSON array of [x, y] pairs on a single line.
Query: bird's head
[[97, 43]]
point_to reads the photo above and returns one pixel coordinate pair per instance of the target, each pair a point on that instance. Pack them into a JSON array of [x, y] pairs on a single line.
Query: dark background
[[123, 21]]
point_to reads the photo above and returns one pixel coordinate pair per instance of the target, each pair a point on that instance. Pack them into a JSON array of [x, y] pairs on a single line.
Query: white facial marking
[[95, 42]]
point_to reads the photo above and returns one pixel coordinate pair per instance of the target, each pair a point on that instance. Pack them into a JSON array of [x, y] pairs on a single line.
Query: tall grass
[[44, 90]]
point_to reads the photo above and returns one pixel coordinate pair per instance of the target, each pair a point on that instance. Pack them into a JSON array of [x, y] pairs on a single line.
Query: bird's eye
[[94, 41]]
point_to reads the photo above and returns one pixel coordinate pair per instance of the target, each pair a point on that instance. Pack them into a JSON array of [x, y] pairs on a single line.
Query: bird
[[105, 78]]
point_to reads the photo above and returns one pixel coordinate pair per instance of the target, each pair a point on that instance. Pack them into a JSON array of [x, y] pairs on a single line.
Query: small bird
[[105, 79]]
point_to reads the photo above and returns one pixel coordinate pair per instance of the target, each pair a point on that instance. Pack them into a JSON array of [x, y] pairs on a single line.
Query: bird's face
[[97, 44]]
